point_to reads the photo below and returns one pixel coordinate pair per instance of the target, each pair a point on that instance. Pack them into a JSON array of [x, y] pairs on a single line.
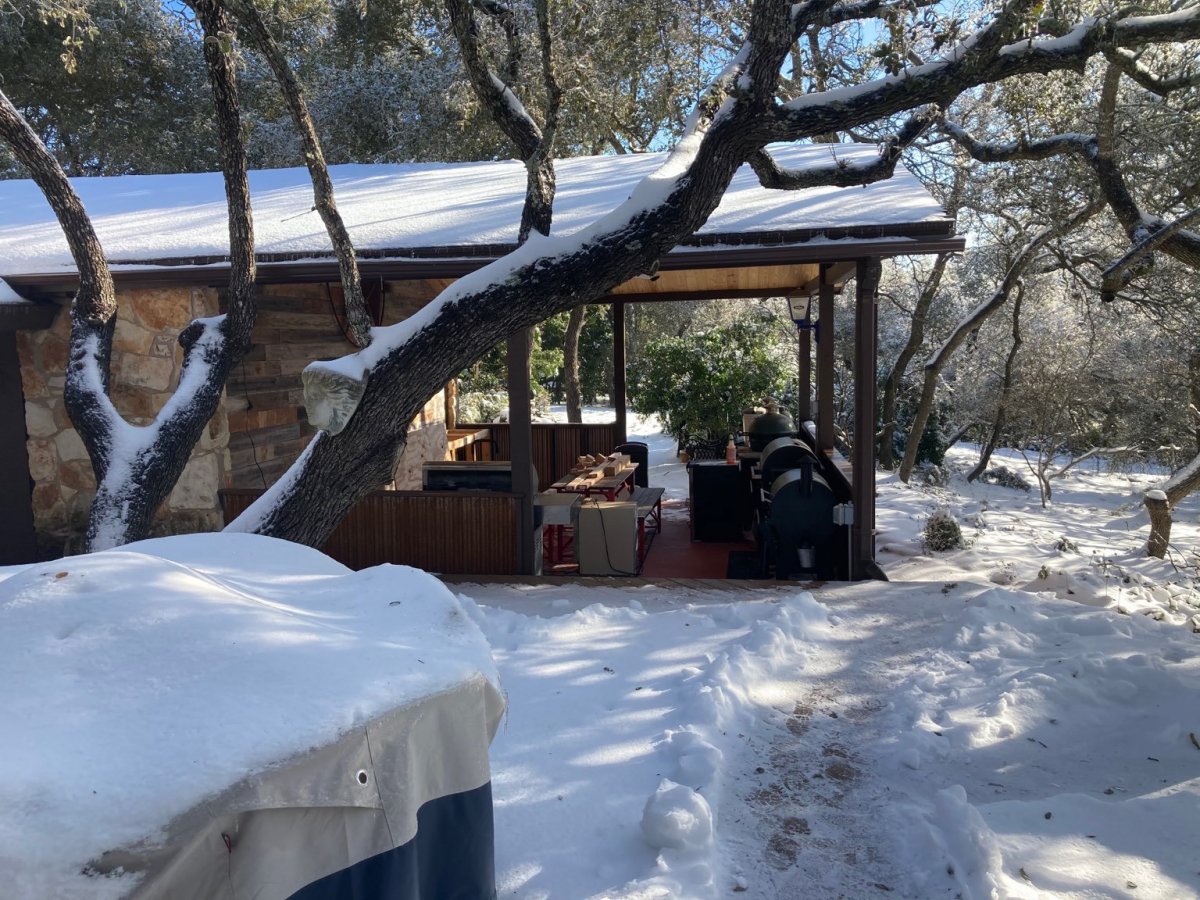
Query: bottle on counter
[[731, 452]]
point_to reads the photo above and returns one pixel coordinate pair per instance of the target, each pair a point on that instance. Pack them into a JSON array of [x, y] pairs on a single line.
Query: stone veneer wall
[[145, 369], [258, 431], [268, 426]]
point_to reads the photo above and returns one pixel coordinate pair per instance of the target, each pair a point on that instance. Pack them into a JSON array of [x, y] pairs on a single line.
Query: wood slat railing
[[449, 532], [556, 445]]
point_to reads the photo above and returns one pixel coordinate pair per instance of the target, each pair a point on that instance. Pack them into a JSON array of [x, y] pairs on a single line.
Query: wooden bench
[[649, 506]]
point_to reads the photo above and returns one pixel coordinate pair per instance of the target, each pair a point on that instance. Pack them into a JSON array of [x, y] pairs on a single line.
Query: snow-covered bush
[[930, 474], [942, 532], [482, 406], [1002, 476]]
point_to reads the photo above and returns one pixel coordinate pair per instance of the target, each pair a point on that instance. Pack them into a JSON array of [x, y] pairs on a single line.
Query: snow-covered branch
[[510, 114], [843, 173], [1162, 85], [1022, 148], [986, 56], [1121, 272], [1147, 232]]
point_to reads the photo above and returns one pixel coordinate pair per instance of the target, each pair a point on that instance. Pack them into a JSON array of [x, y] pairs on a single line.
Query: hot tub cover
[[231, 715]]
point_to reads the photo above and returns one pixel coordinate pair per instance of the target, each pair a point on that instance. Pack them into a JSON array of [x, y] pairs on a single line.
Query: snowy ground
[[1020, 718], [969, 730]]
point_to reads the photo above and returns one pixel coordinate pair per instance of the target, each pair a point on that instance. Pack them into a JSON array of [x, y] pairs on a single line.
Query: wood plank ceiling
[[765, 281]]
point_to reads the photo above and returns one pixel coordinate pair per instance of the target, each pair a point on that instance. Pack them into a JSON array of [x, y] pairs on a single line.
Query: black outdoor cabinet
[[715, 488]]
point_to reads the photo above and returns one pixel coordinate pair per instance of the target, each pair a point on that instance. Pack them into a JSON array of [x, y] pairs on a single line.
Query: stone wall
[[145, 369], [297, 324], [260, 427]]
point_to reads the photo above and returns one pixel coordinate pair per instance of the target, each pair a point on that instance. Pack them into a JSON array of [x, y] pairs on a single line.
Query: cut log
[[1160, 523]]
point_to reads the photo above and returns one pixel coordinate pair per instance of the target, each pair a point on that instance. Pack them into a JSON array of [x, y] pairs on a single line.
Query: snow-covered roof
[[406, 209]]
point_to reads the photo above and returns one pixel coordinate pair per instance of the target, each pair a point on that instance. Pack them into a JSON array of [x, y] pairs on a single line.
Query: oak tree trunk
[[993, 439], [916, 336], [571, 364]]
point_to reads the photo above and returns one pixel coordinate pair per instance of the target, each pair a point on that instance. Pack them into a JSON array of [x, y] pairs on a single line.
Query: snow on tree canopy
[[136, 682], [144, 218]]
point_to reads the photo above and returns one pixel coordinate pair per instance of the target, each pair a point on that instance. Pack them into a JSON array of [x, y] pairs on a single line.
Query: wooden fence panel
[[450, 532], [556, 445]]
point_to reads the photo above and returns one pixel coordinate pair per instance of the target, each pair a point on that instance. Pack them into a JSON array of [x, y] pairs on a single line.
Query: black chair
[[639, 452]]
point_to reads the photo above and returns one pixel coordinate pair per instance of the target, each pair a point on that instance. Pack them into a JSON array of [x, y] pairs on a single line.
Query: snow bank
[[610, 777], [1073, 731], [136, 682]]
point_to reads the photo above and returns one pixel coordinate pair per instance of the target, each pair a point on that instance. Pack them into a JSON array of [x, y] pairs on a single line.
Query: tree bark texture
[[916, 337], [1160, 524], [571, 364], [993, 440], [132, 484], [358, 320]]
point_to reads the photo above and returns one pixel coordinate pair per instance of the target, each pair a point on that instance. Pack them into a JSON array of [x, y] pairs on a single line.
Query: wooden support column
[[520, 423], [619, 398], [825, 335], [862, 537], [804, 374], [17, 544]]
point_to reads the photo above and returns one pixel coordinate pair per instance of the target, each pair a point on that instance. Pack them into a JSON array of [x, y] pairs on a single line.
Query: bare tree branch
[[1162, 85], [1020, 149], [510, 114], [843, 173], [972, 322], [358, 319]]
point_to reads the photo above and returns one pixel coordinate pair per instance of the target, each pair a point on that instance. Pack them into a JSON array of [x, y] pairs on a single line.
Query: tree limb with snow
[[971, 323], [735, 118], [137, 466], [1149, 233]]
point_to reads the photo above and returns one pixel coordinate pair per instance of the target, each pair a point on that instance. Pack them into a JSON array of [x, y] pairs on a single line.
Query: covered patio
[[418, 228]]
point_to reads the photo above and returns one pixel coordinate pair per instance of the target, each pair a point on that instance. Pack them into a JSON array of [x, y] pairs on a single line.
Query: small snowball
[[676, 816], [911, 758]]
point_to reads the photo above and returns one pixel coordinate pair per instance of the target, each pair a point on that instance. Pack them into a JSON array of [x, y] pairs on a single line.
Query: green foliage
[[124, 93], [698, 384], [595, 354], [933, 446]]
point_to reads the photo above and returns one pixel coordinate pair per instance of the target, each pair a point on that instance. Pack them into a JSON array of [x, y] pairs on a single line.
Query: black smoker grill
[[797, 534], [768, 427], [797, 530]]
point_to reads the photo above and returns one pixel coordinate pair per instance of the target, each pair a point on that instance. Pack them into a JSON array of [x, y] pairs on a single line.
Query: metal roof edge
[[408, 265]]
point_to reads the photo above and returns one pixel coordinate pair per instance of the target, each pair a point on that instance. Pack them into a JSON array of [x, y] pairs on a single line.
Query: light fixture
[[800, 307]]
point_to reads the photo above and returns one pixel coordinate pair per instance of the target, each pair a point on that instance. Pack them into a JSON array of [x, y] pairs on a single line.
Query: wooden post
[[17, 544], [520, 425], [825, 362], [862, 555], [804, 375], [619, 383]]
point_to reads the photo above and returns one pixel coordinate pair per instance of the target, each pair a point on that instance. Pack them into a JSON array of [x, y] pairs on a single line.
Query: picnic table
[[594, 481]]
